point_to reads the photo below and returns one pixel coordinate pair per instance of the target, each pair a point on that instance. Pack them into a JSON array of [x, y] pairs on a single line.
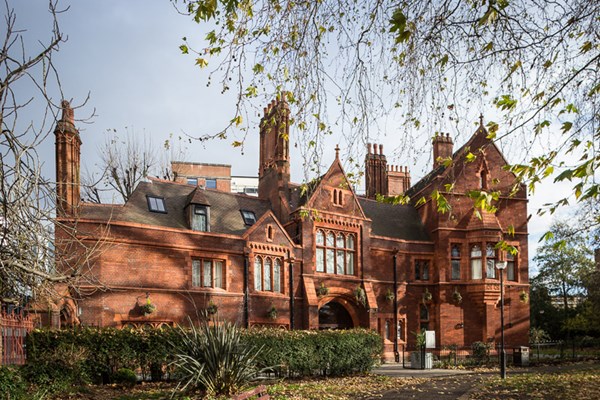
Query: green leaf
[[184, 49], [237, 120], [258, 68], [470, 157], [566, 126], [399, 26], [201, 62], [443, 61], [587, 46]]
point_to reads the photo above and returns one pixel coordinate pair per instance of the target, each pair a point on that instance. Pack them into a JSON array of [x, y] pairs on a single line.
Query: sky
[[125, 56]]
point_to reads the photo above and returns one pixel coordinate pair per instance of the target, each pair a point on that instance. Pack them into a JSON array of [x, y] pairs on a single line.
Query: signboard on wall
[[430, 339]]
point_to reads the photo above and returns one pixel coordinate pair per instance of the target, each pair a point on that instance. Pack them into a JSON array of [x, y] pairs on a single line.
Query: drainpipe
[[246, 272], [396, 353], [291, 264]]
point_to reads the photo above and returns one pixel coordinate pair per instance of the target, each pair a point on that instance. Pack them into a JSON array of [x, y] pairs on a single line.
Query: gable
[[268, 230], [334, 194], [465, 174]]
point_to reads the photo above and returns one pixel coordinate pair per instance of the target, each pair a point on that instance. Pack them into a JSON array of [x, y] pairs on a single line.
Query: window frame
[[198, 273], [422, 270], [248, 216], [212, 185], [490, 261], [455, 260], [153, 207], [478, 258], [260, 274], [192, 181], [512, 265], [329, 254], [196, 214]]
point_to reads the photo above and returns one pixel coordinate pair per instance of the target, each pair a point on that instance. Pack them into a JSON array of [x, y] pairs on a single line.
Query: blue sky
[[125, 55]]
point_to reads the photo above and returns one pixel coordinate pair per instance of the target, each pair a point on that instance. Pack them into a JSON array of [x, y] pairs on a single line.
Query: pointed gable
[[484, 172], [333, 193], [267, 230]]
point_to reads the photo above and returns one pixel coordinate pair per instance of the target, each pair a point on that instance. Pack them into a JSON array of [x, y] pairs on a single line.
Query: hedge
[[82, 355]]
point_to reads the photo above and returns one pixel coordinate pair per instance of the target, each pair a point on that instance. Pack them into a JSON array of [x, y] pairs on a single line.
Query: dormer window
[[200, 218], [156, 204], [249, 217]]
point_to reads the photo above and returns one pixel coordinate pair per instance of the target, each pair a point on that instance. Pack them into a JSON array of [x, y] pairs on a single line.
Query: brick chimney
[[68, 163], [442, 148], [274, 163], [376, 177], [398, 180]]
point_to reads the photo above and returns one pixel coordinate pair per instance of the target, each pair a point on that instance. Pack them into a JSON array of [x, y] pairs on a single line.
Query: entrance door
[[334, 316]]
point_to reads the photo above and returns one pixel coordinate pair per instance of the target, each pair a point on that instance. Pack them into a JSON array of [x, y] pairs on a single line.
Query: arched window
[[511, 270], [277, 276], [320, 248], [267, 274], [490, 261], [483, 177], [335, 252], [258, 273], [455, 261], [476, 261], [340, 202]]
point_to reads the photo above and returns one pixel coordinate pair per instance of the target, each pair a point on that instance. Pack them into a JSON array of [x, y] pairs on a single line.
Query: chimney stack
[[376, 177], [68, 163], [442, 148]]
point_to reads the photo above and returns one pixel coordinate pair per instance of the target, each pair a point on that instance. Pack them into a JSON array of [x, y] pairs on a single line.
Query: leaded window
[[335, 252]]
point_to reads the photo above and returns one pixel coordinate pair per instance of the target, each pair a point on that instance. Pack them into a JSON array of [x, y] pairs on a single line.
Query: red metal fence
[[13, 330]]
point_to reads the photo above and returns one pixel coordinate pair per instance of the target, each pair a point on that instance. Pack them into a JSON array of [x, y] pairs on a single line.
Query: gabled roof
[[394, 220], [225, 215], [336, 177], [477, 141]]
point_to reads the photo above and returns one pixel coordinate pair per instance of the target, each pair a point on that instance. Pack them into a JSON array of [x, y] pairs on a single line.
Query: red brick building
[[309, 257]]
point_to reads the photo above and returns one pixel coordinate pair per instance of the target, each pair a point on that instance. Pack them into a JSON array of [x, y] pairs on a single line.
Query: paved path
[[440, 388], [454, 384]]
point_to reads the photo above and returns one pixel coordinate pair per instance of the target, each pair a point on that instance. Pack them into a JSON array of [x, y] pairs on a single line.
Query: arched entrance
[[333, 315]]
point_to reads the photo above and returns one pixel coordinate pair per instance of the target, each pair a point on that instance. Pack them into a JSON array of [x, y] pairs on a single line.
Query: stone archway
[[334, 315]]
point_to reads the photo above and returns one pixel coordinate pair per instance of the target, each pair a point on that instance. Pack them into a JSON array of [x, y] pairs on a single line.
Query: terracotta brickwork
[[313, 259]]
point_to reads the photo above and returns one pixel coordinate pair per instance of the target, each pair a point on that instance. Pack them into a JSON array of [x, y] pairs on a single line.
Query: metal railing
[[13, 331]]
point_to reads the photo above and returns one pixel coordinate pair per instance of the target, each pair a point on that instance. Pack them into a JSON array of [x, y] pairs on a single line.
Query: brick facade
[[321, 257]]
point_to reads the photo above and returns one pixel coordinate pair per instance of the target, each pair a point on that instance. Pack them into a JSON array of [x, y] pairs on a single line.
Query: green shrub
[[214, 358], [125, 376], [82, 355], [481, 352], [12, 384], [306, 353]]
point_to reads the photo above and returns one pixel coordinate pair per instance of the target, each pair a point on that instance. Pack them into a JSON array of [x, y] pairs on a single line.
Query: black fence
[[480, 354]]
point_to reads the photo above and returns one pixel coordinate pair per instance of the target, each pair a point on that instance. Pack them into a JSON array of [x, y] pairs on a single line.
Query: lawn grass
[[567, 384]]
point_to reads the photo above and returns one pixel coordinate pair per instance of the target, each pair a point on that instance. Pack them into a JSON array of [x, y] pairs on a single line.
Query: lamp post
[[501, 266]]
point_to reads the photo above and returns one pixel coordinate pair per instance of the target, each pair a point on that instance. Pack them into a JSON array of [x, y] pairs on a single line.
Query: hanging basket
[[427, 296], [322, 290], [272, 313], [360, 296], [457, 297], [212, 308], [524, 296], [389, 296]]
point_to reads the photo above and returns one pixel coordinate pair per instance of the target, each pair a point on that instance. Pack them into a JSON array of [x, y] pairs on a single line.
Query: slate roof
[[225, 215], [394, 220]]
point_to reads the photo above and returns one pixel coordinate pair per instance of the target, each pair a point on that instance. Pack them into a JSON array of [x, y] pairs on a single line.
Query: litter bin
[[521, 356]]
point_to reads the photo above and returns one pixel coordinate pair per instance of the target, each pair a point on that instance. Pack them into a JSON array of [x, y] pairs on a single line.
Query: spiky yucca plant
[[213, 358]]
